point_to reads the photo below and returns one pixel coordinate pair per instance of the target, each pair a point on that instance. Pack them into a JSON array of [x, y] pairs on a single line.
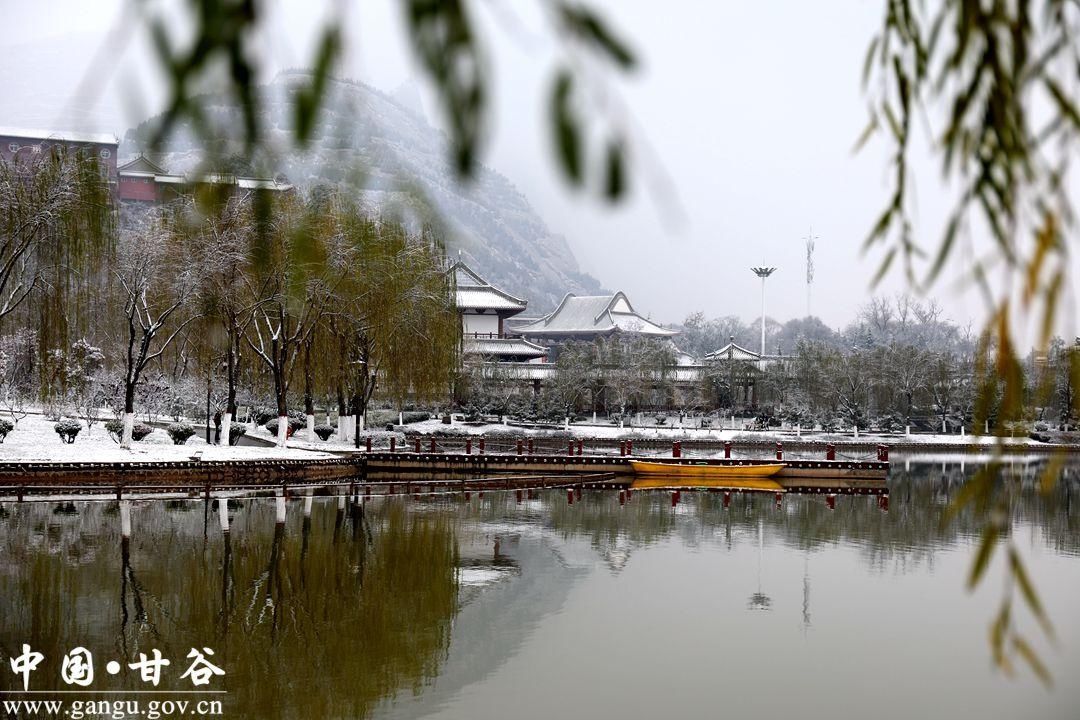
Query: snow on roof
[[594, 314], [733, 352], [517, 347], [60, 135], [475, 293], [141, 165]]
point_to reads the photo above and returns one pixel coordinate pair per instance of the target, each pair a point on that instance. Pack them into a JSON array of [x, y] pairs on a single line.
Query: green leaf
[[1025, 651], [977, 488], [998, 632], [615, 171], [867, 133], [565, 125], [986, 550], [884, 267], [587, 25], [1027, 590], [1065, 107], [868, 61], [947, 243], [309, 97]]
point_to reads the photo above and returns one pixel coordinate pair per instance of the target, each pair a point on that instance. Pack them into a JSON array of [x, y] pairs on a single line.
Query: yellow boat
[[742, 477]]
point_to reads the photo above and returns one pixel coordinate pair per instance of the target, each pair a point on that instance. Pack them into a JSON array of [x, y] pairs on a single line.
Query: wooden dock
[[360, 471]]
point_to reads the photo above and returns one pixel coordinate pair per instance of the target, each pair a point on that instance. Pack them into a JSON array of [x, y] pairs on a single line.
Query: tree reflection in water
[[338, 614], [305, 623]]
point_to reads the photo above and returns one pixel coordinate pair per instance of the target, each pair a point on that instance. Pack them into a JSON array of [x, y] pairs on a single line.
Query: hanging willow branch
[[984, 67]]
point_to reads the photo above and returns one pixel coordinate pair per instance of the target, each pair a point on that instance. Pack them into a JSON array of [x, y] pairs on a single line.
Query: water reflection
[[402, 608]]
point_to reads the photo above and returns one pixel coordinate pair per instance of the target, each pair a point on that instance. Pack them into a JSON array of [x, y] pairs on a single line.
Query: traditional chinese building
[[742, 369], [484, 310], [590, 317]]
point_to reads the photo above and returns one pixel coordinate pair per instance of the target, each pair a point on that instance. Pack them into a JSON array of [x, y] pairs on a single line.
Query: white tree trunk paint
[[307, 503], [311, 428], [907, 431], [944, 428], [223, 514], [798, 430], [566, 423], [129, 424], [282, 430], [961, 431], [125, 518], [361, 421], [400, 418], [341, 498], [226, 428], [280, 506], [856, 430], [341, 422]]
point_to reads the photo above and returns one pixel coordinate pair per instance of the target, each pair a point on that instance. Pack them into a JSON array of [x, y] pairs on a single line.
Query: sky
[[743, 118]]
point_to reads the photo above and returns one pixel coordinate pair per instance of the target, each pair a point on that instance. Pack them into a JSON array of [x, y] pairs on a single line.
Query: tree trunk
[[129, 411]]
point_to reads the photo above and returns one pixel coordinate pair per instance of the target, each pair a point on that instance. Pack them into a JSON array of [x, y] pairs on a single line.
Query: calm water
[[499, 609]]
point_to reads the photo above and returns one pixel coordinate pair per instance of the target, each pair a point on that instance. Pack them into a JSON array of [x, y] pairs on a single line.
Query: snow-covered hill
[[370, 141]]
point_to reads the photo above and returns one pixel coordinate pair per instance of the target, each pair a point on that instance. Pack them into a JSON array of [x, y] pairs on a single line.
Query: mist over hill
[[381, 148]]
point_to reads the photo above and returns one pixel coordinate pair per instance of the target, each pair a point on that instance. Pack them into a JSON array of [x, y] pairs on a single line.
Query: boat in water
[[755, 476]]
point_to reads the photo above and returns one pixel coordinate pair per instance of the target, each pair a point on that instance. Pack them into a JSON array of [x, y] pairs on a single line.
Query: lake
[[494, 608]]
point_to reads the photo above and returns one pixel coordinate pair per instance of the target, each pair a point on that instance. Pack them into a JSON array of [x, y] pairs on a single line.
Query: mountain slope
[[376, 146]]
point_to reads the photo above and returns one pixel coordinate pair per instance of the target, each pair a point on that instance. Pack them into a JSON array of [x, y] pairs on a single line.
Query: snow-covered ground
[[600, 430], [35, 440]]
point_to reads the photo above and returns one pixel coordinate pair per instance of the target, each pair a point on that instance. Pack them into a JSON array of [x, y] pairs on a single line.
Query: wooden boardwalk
[[364, 471]]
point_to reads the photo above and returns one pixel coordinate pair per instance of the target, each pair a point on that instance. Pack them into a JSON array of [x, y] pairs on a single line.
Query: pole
[[207, 408], [763, 315]]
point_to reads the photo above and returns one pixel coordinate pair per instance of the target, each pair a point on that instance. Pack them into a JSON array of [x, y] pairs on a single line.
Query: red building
[[142, 180], [24, 143]]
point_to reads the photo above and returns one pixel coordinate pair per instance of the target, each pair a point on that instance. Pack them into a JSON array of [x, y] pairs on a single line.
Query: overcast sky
[[746, 113]]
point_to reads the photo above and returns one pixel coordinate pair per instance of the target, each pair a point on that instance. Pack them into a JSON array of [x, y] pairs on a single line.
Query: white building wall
[[473, 323]]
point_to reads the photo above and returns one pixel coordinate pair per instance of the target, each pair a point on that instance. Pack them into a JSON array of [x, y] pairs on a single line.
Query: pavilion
[[484, 310], [588, 318]]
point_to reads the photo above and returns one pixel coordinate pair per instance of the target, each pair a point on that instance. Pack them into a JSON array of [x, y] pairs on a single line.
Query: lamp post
[[763, 273]]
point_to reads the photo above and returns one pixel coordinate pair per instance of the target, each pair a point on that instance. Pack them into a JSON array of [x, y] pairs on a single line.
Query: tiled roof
[[593, 314], [734, 352], [475, 293], [141, 165], [516, 347], [60, 135]]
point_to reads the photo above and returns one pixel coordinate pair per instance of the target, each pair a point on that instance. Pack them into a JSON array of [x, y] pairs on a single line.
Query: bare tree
[[155, 282]]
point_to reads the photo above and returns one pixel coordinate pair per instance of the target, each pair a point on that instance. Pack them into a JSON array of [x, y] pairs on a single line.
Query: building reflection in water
[[394, 606]]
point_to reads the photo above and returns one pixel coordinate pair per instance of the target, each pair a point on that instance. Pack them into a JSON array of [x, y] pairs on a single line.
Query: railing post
[[676, 449], [530, 446], [481, 444], [392, 443], [416, 446], [468, 446], [520, 443], [580, 445], [727, 449], [622, 448], [830, 452], [629, 447], [570, 448], [369, 444], [779, 451], [432, 444]]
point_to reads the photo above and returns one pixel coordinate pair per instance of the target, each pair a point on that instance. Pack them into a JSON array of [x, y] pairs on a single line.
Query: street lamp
[[763, 272]]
